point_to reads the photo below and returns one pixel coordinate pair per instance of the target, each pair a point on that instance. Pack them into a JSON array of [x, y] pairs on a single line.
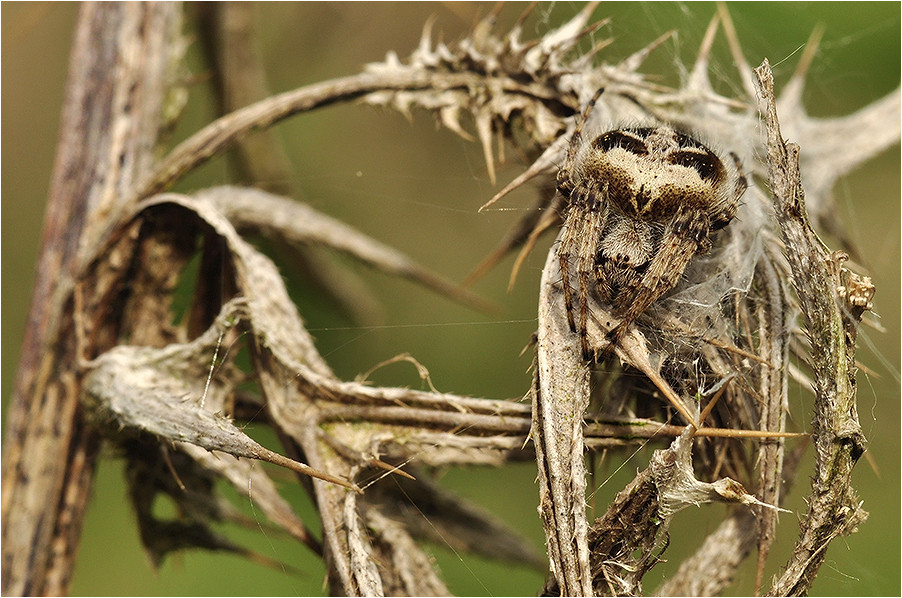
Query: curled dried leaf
[[159, 392]]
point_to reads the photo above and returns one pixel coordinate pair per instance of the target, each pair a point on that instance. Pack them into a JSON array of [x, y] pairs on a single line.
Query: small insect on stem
[[640, 203]]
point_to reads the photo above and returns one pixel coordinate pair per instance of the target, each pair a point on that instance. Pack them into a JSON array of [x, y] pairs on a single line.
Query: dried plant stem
[[225, 131], [561, 394], [111, 118], [832, 300], [228, 35], [774, 335], [454, 415]]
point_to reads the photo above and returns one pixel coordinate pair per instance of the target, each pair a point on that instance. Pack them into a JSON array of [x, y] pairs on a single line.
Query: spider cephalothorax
[[640, 204]]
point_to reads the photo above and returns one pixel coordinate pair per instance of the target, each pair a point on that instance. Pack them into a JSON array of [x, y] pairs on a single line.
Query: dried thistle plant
[[705, 368]]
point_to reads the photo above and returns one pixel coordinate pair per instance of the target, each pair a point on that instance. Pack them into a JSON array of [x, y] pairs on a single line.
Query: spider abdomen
[[627, 244]]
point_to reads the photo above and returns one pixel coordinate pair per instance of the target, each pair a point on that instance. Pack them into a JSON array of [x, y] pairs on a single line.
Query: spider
[[640, 203]]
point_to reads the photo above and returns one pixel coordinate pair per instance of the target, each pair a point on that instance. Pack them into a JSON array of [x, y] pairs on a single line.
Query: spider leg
[[585, 288], [584, 232], [565, 185], [577, 253], [566, 253], [683, 238], [594, 224]]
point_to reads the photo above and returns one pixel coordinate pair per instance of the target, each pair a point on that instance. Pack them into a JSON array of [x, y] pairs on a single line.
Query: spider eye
[[706, 164], [620, 139]]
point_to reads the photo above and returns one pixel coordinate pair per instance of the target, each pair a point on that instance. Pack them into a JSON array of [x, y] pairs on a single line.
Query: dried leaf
[[561, 396], [160, 392], [296, 223]]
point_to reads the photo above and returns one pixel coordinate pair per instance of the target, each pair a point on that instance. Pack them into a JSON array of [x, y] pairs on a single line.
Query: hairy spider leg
[[685, 236], [569, 241], [577, 251], [593, 227], [565, 185], [572, 224], [586, 267]]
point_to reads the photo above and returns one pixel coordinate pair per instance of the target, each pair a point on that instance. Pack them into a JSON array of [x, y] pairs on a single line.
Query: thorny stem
[[832, 301], [597, 429], [225, 131]]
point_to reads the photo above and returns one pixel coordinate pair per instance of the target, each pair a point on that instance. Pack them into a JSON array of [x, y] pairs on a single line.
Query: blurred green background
[[418, 188]]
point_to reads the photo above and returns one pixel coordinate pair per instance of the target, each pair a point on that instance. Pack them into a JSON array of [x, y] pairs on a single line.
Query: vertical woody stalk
[[114, 105], [833, 301]]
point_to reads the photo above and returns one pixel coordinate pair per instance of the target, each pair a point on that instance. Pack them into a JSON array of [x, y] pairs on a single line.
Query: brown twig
[[111, 119], [832, 300]]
